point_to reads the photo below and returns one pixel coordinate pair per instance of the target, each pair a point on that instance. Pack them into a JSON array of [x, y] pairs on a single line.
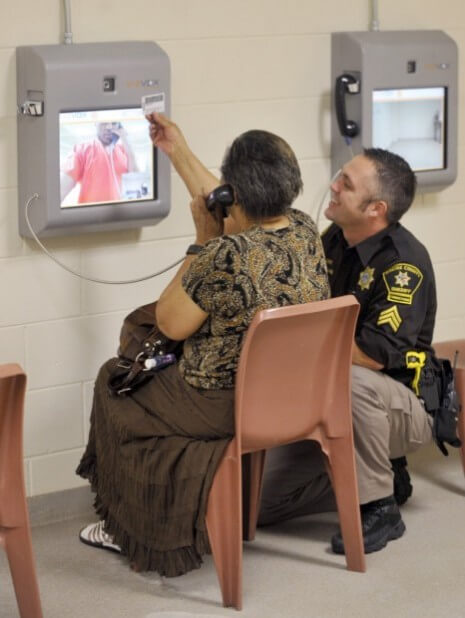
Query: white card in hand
[[153, 103]]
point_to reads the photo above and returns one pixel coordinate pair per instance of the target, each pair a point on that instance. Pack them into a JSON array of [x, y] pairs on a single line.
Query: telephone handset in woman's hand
[[221, 196]]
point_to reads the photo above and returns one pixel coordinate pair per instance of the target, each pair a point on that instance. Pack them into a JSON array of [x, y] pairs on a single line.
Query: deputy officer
[[372, 256]]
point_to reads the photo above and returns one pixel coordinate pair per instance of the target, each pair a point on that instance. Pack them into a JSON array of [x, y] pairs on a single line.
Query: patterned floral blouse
[[235, 276]]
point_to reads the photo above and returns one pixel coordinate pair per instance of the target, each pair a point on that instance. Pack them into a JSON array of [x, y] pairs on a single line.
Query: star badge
[[366, 278], [402, 279]]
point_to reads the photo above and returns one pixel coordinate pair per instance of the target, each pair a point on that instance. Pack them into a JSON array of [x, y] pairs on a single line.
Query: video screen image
[[410, 122], [106, 156]]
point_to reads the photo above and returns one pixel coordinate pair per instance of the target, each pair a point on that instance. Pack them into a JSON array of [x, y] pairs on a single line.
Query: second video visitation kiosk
[[83, 141], [397, 91]]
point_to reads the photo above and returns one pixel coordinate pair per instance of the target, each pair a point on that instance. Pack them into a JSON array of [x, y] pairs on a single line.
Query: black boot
[[381, 522], [402, 485]]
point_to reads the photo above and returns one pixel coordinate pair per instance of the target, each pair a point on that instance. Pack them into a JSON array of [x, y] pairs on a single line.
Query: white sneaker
[[95, 535]]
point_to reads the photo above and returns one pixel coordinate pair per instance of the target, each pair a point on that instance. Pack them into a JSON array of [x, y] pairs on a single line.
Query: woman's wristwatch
[[194, 249]]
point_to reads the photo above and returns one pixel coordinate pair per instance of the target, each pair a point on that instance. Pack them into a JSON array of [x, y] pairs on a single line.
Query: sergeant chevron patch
[[391, 317]]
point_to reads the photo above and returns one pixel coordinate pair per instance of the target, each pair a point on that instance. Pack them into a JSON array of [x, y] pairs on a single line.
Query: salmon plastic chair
[[15, 535], [293, 383], [447, 349]]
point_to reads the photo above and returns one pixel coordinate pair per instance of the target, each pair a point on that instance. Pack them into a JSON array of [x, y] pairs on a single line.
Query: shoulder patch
[[391, 317], [402, 281]]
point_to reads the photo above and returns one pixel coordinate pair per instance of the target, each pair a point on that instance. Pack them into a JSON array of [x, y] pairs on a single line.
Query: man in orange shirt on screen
[[98, 166]]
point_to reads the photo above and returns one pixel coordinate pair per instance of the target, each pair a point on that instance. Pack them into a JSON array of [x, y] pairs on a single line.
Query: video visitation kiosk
[[397, 91], [83, 140]]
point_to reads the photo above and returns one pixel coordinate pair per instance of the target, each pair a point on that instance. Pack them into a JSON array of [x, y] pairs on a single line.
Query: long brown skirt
[[151, 459]]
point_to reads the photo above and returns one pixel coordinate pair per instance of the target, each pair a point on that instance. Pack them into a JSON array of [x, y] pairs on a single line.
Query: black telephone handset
[[114, 136], [221, 196], [345, 84]]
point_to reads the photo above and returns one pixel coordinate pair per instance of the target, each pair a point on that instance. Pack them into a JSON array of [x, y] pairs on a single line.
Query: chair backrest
[[296, 358], [12, 391]]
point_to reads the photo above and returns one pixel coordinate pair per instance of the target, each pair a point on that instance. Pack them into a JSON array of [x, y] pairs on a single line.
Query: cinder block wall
[[235, 66]]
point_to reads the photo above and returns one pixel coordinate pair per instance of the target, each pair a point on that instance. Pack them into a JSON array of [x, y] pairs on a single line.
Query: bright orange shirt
[[98, 171]]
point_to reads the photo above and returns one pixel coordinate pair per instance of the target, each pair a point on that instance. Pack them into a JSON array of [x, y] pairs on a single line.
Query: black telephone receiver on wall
[[345, 84]]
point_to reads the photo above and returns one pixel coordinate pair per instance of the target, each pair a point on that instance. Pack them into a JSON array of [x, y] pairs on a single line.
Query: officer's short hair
[[396, 181], [264, 172]]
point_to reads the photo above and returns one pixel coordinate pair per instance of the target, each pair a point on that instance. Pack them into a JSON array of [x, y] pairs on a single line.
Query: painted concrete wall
[[235, 66]]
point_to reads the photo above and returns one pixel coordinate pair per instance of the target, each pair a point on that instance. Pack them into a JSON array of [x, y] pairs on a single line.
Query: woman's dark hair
[[264, 172], [396, 181]]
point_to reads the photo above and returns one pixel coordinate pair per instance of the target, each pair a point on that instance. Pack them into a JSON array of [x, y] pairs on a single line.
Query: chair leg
[[224, 526], [21, 560], [346, 491], [252, 475]]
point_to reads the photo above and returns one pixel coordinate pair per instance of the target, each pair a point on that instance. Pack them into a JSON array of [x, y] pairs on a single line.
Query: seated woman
[[152, 456]]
